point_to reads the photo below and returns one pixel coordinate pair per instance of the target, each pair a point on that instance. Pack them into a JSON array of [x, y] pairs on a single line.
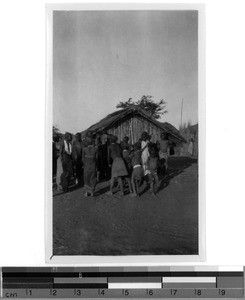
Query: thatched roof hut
[[131, 122]]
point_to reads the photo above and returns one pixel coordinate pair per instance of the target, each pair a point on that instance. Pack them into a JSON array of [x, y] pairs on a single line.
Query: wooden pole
[[181, 114]]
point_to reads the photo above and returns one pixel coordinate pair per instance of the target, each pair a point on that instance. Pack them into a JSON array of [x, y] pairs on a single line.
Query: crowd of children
[[102, 158]]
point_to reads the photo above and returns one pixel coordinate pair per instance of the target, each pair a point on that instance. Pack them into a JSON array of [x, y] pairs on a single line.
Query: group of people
[[102, 157]]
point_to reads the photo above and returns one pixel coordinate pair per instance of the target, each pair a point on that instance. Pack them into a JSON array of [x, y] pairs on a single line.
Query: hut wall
[[188, 134], [133, 128]]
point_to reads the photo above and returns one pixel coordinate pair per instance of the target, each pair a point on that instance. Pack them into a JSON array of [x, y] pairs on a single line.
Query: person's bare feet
[[153, 194], [133, 195], [109, 193]]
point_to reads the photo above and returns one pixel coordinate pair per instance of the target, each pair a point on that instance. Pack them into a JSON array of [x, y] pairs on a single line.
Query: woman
[[118, 169], [145, 153], [90, 155]]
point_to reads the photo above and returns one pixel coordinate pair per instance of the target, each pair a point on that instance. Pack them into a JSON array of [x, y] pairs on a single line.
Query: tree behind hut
[[56, 132], [146, 103]]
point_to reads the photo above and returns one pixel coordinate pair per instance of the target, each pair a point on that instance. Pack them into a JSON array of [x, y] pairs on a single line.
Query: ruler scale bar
[[105, 282]]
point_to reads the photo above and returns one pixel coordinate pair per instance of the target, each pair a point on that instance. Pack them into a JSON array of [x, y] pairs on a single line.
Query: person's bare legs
[[129, 184], [110, 192], [120, 185], [137, 182], [86, 191], [152, 181], [133, 185], [98, 176], [156, 183]]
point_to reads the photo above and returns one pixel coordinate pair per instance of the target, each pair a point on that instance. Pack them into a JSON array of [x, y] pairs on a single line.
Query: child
[[90, 154], [138, 172], [118, 169], [152, 166], [163, 146], [126, 147]]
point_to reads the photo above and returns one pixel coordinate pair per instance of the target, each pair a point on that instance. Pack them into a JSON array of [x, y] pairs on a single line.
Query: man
[[67, 161], [77, 156]]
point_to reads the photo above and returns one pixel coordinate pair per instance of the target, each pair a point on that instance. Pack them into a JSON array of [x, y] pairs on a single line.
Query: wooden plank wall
[[133, 128]]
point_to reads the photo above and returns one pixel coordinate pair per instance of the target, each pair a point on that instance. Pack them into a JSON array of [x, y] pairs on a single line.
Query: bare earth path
[[124, 225]]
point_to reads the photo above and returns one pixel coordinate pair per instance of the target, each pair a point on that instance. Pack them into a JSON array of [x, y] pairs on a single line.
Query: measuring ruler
[[118, 282]]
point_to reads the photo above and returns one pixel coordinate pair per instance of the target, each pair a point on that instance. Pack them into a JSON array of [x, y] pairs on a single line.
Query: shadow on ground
[[124, 225]]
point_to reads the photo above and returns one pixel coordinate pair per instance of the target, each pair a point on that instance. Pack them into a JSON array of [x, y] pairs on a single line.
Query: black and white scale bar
[[121, 274], [78, 282]]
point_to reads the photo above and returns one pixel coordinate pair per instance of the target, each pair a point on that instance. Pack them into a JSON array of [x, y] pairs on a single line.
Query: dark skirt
[[90, 179], [89, 172], [67, 166], [118, 168]]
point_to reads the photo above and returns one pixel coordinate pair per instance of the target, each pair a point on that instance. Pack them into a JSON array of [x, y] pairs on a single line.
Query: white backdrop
[[22, 96]]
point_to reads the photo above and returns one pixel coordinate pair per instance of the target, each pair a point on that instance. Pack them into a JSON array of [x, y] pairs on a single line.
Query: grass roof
[[121, 115]]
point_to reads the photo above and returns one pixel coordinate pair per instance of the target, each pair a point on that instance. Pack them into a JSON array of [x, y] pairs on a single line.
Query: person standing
[[163, 146], [67, 161], [126, 149], [54, 159], [145, 152], [90, 155], [152, 167], [138, 172], [77, 156], [105, 174], [191, 147], [118, 169]]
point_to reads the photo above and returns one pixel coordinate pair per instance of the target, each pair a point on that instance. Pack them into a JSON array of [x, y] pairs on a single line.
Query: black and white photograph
[[125, 132]]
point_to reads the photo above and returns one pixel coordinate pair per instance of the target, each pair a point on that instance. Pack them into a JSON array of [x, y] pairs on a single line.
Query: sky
[[103, 57]]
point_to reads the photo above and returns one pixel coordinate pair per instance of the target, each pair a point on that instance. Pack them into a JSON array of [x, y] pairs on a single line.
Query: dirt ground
[[124, 225]]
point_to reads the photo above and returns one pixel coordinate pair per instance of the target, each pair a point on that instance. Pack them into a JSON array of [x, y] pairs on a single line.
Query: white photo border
[[139, 260]]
